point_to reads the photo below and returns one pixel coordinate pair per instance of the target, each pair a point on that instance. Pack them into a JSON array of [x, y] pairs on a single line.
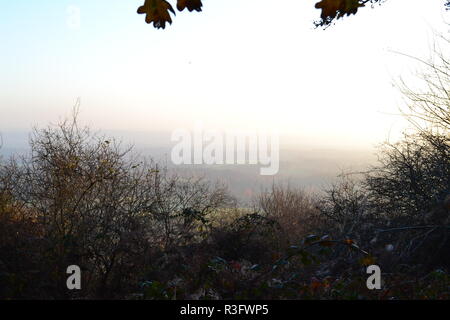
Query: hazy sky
[[238, 64]]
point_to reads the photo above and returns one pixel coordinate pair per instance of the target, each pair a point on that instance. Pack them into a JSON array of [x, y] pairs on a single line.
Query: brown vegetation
[[139, 231]]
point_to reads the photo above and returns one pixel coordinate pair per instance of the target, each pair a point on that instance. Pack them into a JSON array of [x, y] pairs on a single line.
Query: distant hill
[[307, 167]]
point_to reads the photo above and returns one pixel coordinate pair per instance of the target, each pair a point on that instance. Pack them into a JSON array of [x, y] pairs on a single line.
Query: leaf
[[255, 267], [315, 283], [281, 262], [351, 7], [367, 260], [190, 4], [332, 9], [157, 11], [310, 239], [235, 265], [325, 241], [349, 241], [219, 260]]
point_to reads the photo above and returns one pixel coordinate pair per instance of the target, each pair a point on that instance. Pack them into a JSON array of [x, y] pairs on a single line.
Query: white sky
[[240, 64]]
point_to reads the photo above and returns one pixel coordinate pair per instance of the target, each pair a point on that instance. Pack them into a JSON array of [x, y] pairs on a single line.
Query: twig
[[412, 228]]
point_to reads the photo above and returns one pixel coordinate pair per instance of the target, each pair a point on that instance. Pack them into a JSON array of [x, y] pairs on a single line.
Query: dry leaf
[[157, 11], [191, 5], [332, 9], [367, 260]]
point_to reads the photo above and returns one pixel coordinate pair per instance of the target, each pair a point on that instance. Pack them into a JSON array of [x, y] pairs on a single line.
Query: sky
[[239, 64]]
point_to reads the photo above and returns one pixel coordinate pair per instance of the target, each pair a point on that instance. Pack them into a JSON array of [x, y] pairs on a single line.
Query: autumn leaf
[[368, 260], [157, 11], [332, 9], [235, 265], [349, 241], [329, 8], [315, 284], [326, 243], [190, 4]]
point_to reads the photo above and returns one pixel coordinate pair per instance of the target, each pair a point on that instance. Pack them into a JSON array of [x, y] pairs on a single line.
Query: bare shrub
[[411, 183], [428, 102], [293, 209], [412, 176], [96, 205], [346, 208]]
